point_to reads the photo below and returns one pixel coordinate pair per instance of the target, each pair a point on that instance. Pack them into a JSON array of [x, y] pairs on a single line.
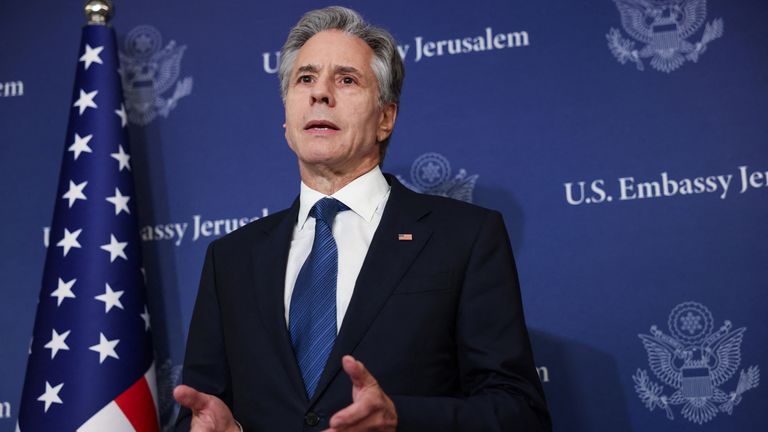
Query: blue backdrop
[[624, 141]]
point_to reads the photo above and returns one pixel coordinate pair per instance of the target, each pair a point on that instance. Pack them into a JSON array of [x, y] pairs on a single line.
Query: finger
[[351, 415], [357, 372], [190, 398]]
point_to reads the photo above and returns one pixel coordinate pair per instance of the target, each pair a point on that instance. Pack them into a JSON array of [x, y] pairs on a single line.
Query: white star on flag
[[80, 145], [57, 342], [123, 116], [91, 56], [70, 240], [64, 290], [51, 395], [115, 248], [105, 348], [86, 101], [120, 202], [122, 157], [110, 299], [75, 192], [145, 317]]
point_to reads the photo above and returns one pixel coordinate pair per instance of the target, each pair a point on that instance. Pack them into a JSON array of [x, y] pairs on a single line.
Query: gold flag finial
[[98, 11]]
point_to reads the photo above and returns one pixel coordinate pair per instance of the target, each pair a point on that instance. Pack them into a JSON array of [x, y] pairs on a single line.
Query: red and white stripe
[[135, 410]]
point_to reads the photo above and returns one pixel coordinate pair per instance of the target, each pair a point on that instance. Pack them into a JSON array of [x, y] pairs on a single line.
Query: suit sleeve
[[205, 361], [501, 388]]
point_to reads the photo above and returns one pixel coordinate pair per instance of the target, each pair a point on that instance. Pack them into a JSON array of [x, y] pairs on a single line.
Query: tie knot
[[326, 209]]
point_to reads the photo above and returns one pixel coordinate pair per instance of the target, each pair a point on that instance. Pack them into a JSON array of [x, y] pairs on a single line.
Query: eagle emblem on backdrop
[[694, 360], [431, 174], [662, 27], [148, 71]]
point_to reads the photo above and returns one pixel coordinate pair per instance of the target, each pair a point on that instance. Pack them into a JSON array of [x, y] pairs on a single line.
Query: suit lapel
[[269, 263], [387, 260]]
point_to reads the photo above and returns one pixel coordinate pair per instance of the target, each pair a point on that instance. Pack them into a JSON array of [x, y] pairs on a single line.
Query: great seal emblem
[[663, 26], [694, 360], [148, 70]]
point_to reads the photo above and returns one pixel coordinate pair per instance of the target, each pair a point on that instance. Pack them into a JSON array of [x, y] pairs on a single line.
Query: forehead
[[334, 47]]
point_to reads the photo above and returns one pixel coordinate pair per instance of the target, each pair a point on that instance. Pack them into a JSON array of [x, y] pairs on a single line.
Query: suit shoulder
[[454, 208]]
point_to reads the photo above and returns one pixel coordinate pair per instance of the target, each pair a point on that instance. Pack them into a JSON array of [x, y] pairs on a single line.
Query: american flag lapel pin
[[405, 237]]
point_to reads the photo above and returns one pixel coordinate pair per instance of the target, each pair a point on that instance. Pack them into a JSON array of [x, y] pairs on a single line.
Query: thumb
[[190, 398], [357, 372]]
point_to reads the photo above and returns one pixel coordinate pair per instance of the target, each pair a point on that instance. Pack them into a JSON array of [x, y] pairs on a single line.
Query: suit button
[[311, 419]]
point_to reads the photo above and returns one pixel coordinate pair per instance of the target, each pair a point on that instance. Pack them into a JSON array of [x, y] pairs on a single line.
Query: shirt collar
[[363, 196]]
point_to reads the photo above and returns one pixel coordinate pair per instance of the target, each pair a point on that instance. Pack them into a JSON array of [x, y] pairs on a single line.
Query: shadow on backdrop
[[582, 381], [159, 263], [500, 199]]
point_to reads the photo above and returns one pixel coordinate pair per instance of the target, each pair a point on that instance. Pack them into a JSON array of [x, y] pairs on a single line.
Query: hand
[[209, 413], [371, 409]]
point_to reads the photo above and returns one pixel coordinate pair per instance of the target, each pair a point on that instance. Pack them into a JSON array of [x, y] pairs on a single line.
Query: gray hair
[[386, 64]]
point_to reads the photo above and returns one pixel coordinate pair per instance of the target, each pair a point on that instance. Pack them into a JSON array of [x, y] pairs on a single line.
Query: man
[[364, 306]]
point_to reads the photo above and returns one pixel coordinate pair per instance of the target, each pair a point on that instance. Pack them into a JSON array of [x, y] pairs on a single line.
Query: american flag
[[90, 364]]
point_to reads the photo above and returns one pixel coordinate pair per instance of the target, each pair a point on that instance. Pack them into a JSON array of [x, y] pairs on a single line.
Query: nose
[[322, 92]]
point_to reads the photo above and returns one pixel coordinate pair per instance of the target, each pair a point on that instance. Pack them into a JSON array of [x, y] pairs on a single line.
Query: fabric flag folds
[[90, 364]]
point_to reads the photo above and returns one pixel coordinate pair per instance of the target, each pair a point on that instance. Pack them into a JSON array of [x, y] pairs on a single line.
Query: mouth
[[321, 127]]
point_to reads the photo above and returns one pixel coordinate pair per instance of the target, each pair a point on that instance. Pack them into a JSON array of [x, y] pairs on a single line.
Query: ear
[[386, 122]]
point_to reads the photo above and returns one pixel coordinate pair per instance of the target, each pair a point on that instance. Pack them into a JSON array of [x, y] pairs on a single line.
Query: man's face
[[333, 121]]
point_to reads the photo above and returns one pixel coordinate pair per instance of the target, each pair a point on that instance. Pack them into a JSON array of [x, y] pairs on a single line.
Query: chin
[[321, 150], [319, 158]]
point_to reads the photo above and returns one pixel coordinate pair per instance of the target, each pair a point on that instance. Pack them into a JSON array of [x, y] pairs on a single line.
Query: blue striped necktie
[[312, 317]]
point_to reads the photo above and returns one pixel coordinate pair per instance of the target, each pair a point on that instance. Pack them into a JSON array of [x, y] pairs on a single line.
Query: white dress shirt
[[353, 230]]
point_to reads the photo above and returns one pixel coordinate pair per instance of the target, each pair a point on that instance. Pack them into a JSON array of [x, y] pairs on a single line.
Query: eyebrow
[[310, 68], [347, 70]]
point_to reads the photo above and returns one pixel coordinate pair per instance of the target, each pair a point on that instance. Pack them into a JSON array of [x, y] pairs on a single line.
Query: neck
[[328, 181]]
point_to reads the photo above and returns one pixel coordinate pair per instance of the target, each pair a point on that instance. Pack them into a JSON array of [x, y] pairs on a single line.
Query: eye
[[348, 80], [305, 79]]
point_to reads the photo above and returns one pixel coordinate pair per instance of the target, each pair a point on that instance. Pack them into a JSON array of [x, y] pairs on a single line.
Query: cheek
[[372, 122], [290, 117], [366, 113], [294, 109], [294, 123], [291, 134]]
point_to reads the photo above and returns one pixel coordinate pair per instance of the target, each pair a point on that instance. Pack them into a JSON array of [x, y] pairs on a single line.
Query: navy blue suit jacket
[[437, 320]]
